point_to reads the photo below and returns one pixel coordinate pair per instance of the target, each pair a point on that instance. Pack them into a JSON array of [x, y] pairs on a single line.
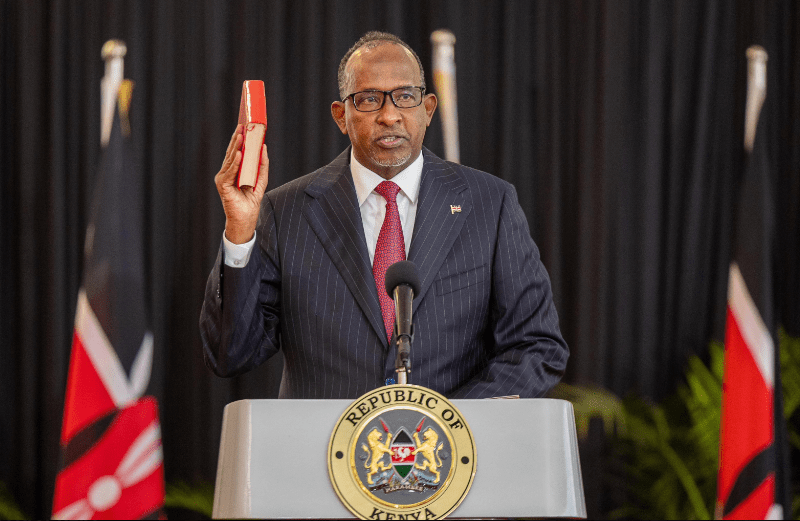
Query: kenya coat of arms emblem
[[401, 452], [415, 463]]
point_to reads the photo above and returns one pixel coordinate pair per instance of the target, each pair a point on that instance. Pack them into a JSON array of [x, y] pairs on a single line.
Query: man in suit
[[302, 269]]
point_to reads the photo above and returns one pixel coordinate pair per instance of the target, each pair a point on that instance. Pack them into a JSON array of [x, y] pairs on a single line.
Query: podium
[[272, 460]]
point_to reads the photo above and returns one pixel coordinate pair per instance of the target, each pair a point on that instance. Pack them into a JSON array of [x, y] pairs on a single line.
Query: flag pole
[[756, 92], [113, 53], [444, 80]]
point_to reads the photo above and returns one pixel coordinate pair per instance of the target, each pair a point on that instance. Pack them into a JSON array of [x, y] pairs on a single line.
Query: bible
[[253, 115]]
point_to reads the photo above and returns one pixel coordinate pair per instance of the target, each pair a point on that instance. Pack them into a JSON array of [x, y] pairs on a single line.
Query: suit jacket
[[484, 320]]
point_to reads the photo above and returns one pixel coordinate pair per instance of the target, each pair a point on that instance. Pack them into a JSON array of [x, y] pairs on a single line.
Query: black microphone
[[402, 283]]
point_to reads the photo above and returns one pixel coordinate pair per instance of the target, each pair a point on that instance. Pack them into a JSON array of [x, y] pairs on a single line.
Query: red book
[[253, 115]]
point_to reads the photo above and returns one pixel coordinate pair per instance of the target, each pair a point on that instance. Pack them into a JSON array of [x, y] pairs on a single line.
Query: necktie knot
[[388, 190]]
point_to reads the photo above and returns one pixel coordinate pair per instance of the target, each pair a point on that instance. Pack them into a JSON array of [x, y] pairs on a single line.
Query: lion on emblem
[[429, 451], [375, 453]]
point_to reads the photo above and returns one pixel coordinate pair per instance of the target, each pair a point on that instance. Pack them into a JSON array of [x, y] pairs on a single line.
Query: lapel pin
[[455, 208]]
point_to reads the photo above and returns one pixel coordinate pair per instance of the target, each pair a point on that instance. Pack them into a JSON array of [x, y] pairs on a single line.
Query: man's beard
[[389, 163]]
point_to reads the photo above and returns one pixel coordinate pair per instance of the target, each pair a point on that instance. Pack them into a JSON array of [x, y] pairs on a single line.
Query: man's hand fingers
[[234, 145], [227, 176]]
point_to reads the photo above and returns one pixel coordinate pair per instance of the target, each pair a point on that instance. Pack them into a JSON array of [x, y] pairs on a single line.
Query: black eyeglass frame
[[387, 94]]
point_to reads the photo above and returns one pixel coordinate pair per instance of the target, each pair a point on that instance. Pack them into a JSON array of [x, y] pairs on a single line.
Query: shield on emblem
[[403, 453]]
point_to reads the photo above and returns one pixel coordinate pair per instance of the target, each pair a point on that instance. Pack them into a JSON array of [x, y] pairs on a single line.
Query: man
[[306, 275]]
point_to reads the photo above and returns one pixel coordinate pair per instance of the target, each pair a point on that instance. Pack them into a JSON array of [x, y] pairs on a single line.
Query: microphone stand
[[402, 363], [403, 333]]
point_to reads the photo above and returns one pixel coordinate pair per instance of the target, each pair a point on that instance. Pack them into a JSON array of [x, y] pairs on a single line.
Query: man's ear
[[337, 111], [430, 103]]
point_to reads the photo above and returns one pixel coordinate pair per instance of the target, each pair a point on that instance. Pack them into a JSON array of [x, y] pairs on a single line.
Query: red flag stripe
[[755, 333], [748, 406], [87, 398], [747, 420]]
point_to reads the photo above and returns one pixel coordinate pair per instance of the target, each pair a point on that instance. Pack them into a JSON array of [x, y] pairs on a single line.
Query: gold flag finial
[[124, 104], [113, 49]]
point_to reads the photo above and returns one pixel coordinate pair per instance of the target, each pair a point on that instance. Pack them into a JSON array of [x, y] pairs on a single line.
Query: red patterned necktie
[[391, 248]]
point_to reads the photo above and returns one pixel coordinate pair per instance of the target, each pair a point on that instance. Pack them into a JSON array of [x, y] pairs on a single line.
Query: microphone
[[402, 283]]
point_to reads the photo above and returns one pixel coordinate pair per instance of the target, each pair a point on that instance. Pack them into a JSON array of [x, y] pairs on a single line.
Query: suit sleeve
[[240, 318], [527, 355]]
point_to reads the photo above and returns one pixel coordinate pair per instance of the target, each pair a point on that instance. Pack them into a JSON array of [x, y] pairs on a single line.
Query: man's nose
[[389, 114]]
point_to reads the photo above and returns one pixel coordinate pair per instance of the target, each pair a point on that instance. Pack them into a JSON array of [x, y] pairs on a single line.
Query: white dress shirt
[[371, 204]]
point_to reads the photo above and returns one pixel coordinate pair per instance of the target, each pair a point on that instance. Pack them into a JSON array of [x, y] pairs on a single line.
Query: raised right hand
[[241, 206]]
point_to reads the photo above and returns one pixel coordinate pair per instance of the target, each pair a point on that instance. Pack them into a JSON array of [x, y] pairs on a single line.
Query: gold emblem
[[401, 452], [428, 450], [375, 453], [455, 208]]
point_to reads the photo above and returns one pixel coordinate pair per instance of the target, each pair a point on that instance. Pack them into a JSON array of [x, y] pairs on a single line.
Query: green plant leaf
[[592, 403], [197, 498], [9, 509], [790, 372]]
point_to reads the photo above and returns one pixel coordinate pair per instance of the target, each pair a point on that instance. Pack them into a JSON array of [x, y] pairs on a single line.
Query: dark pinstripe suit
[[485, 324]]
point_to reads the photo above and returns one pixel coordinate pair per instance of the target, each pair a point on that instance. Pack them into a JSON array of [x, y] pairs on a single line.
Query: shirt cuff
[[237, 255]]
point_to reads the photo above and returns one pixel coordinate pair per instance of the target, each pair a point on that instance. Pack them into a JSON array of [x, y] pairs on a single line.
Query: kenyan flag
[[403, 453]]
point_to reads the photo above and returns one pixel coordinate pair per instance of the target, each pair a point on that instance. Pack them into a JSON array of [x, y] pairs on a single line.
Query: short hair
[[370, 40]]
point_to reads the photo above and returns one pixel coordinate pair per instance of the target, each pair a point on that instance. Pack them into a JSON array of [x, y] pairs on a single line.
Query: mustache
[[396, 133]]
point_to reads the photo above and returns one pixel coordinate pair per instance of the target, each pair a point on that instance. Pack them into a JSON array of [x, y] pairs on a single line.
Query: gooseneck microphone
[[402, 283]]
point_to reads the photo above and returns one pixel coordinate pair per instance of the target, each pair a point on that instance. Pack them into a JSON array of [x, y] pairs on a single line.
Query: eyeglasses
[[372, 100]]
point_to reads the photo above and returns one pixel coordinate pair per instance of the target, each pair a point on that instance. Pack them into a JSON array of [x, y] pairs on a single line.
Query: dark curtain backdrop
[[619, 122]]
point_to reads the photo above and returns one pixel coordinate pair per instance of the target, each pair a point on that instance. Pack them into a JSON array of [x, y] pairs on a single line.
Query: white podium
[[273, 460]]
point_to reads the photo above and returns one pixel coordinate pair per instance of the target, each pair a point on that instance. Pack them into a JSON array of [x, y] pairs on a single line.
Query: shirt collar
[[366, 180]]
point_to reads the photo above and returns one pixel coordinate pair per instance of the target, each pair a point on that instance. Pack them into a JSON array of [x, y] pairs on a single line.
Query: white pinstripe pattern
[[485, 324]]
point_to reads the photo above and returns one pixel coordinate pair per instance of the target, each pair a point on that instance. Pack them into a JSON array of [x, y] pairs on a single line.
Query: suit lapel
[[437, 224], [335, 218]]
